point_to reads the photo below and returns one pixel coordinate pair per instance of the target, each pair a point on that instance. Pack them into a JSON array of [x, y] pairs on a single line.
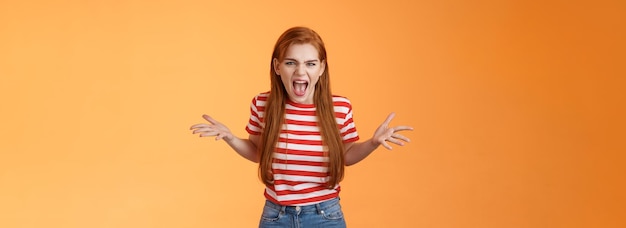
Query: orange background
[[518, 108]]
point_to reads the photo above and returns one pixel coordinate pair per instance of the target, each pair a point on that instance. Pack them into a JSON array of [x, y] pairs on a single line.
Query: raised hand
[[385, 134], [213, 128]]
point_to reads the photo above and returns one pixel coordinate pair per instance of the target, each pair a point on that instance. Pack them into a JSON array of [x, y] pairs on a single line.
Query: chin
[[300, 100]]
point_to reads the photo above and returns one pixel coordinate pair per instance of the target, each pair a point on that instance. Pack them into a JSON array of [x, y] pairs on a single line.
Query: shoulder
[[341, 101], [260, 98], [342, 104]]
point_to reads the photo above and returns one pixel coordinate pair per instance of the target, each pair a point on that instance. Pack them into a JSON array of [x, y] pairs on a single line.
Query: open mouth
[[299, 87]]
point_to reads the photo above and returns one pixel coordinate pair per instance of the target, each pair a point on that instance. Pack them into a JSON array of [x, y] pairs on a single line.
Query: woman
[[302, 136]]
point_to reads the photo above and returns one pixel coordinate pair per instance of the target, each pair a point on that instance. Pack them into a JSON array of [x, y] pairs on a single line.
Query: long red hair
[[323, 101]]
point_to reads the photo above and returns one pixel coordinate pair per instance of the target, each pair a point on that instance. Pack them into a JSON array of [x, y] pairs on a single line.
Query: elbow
[[349, 162], [254, 159]]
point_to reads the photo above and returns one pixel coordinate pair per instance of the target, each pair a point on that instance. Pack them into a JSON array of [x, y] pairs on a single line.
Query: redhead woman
[[302, 136]]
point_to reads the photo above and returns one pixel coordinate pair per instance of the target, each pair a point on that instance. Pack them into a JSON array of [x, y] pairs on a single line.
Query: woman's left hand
[[385, 134]]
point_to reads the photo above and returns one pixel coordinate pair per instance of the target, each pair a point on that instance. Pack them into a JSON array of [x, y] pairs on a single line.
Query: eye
[[290, 63], [311, 64]]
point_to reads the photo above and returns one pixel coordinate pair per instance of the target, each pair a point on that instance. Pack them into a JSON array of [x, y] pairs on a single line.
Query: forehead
[[302, 52]]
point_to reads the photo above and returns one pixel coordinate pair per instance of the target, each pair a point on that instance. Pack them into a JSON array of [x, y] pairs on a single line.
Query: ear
[[275, 63], [323, 66]]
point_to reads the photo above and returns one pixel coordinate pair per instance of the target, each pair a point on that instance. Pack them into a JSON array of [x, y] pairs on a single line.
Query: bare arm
[[247, 148], [355, 152]]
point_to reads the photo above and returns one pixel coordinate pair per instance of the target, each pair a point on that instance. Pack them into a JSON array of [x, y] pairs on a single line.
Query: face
[[299, 71]]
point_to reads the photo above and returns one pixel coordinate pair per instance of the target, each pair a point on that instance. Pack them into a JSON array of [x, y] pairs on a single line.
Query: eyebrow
[[307, 61]]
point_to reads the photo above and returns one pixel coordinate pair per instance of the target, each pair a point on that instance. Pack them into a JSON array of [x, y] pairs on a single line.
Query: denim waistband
[[318, 207]]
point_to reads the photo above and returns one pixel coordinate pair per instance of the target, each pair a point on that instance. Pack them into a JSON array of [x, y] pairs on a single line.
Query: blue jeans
[[326, 214]]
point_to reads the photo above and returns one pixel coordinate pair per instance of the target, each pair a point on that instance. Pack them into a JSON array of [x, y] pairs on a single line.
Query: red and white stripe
[[300, 167]]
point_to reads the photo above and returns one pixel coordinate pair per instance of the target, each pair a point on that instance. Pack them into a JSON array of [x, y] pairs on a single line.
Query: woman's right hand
[[213, 128]]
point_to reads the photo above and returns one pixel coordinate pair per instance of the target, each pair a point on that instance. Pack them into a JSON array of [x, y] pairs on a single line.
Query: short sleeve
[[347, 127], [255, 123]]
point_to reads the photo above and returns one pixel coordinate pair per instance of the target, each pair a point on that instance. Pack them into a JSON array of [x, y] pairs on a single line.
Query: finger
[[401, 137], [208, 134], [402, 128], [211, 120], [386, 145], [396, 141], [201, 130], [389, 118], [199, 125]]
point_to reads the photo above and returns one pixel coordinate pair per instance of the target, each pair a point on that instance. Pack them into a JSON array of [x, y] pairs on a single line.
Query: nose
[[300, 70]]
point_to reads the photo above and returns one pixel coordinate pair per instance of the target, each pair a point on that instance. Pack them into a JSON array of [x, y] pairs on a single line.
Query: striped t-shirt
[[300, 167]]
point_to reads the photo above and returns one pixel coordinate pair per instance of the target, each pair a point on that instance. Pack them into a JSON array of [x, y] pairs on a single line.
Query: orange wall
[[518, 108]]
